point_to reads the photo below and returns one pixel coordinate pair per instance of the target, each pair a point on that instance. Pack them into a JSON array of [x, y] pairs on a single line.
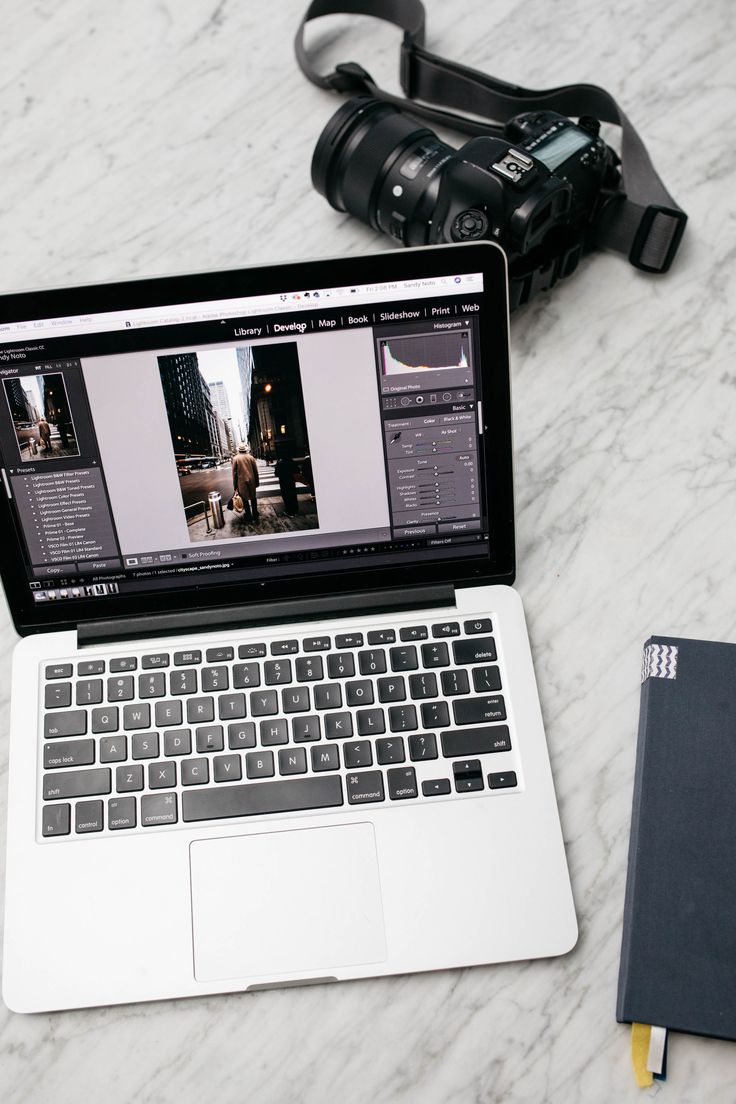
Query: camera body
[[537, 191]]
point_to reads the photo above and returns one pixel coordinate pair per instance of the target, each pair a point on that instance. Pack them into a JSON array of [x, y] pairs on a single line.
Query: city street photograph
[[39, 407], [239, 436]]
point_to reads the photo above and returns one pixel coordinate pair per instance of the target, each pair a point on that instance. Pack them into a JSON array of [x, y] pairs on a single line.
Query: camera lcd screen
[[562, 145]]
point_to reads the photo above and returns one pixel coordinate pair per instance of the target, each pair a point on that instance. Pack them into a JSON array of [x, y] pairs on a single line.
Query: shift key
[[82, 783]]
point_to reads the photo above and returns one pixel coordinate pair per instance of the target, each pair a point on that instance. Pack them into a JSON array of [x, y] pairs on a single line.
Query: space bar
[[263, 797]]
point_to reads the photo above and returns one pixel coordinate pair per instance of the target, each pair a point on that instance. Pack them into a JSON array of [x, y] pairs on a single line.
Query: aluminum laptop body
[[274, 716]]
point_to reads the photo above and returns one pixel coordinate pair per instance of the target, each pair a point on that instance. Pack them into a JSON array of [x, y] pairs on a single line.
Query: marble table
[[159, 137]]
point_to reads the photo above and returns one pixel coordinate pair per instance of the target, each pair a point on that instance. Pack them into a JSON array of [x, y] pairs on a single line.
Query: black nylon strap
[[643, 221]]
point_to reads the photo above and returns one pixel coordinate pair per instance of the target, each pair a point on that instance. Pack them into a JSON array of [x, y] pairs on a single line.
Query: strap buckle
[[657, 238]]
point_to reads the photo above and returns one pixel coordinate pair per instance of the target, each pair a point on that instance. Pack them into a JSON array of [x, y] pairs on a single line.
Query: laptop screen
[[322, 429]]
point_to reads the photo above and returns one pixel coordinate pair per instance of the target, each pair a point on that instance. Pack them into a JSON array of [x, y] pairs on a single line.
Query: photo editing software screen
[[245, 438]]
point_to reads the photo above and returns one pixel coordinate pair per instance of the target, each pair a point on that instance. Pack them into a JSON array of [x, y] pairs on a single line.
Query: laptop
[[274, 717]]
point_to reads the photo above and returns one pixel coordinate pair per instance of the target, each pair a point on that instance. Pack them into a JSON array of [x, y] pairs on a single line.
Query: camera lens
[[382, 167]]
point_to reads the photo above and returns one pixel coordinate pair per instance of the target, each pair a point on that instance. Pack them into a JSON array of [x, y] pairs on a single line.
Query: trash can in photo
[[218, 518]]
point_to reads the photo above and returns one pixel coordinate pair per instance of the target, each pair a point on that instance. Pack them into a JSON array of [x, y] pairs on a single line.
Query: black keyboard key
[[209, 738], [167, 714], [144, 745], [227, 768], [200, 710], [274, 732], [113, 749], [423, 686], [436, 787], [390, 750], [479, 710], [371, 722], [402, 718], [475, 741], [283, 796], [359, 692], [105, 719], [455, 682], [414, 632], [391, 689], [305, 729], [309, 669], [349, 640], [158, 809], [479, 625], [264, 703], [358, 754], [296, 699], [292, 761], [195, 772], [136, 716], [503, 780], [485, 679], [152, 685], [240, 736], [435, 655], [435, 714], [84, 783], [259, 764], [328, 696], [372, 662], [185, 659], [91, 667], [251, 651], [156, 659], [338, 726], [468, 775], [277, 671], [480, 650], [70, 753], [402, 783], [178, 741], [162, 776], [447, 628], [364, 788], [129, 778], [246, 675], [382, 636], [58, 696], [56, 819], [59, 671], [231, 707], [183, 682], [422, 745], [317, 644], [341, 665], [89, 692], [127, 663], [121, 813], [65, 724], [120, 689], [404, 659], [88, 816], [215, 678], [326, 757], [284, 647], [220, 655]]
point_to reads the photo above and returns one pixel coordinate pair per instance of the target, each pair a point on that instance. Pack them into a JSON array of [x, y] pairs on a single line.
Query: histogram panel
[[425, 352]]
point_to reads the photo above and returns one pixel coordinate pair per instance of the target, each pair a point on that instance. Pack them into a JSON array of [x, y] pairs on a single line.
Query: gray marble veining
[[144, 138]]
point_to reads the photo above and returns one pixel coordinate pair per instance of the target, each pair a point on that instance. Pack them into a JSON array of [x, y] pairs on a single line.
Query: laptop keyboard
[[148, 739]]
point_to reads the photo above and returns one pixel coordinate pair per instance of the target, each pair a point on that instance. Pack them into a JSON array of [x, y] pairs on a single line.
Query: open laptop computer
[[274, 716]]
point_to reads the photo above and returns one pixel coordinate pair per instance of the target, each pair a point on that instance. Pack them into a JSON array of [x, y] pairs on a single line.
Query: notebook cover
[[678, 954]]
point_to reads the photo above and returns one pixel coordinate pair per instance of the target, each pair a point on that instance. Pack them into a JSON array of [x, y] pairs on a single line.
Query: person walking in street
[[44, 432], [245, 481]]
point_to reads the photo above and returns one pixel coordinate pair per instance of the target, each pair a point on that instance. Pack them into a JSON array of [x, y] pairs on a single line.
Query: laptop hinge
[[270, 613]]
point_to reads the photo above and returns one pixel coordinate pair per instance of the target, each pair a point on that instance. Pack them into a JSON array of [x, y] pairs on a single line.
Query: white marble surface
[[144, 138]]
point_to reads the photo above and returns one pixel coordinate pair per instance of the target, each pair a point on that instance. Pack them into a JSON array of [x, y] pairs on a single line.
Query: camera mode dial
[[469, 224]]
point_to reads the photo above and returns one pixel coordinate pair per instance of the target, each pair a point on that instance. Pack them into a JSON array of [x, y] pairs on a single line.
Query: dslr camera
[[539, 191]]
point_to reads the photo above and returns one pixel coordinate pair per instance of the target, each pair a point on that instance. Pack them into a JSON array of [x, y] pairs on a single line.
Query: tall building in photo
[[188, 401], [246, 365], [278, 423], [21, 407], [220, 402]]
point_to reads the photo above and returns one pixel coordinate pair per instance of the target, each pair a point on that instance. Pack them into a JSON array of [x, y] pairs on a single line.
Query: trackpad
[[286, 902]]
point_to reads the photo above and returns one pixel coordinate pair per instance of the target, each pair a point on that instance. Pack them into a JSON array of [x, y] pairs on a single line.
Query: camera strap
[[642, 221]]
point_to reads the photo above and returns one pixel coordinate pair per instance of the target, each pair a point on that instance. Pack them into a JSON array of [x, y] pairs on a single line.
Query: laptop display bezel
[[496, 567]]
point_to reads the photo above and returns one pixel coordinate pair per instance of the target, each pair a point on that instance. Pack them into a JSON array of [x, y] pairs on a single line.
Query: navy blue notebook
[[678, 955]]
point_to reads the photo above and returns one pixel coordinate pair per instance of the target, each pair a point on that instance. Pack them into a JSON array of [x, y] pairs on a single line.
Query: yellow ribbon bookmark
[[640, 1036]]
